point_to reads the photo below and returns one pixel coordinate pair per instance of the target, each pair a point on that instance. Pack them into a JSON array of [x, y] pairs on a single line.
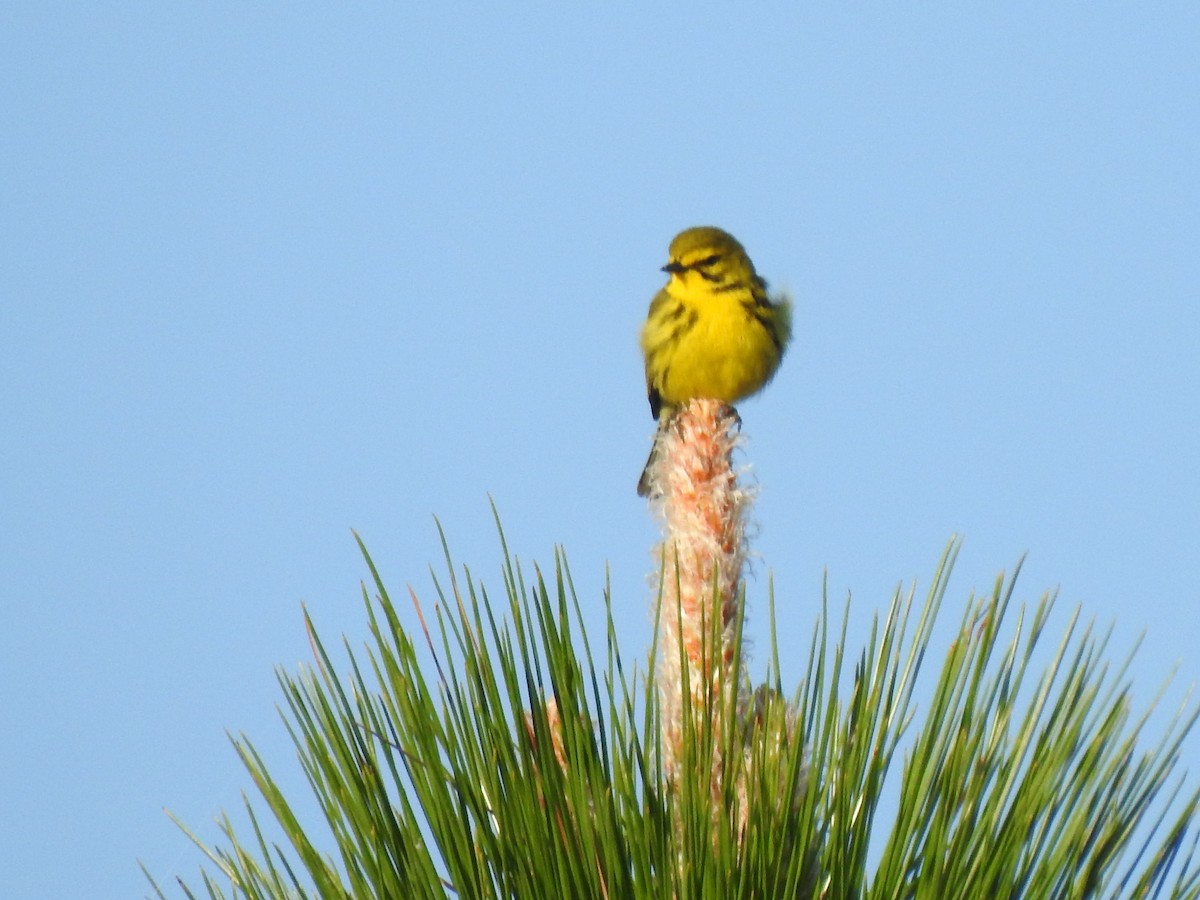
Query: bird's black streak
[[761, 314]]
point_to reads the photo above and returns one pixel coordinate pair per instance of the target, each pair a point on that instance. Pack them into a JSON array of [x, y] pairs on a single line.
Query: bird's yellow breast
[[725, 354]]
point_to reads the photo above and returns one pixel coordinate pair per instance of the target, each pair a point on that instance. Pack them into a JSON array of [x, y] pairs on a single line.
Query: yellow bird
[[712, 331]]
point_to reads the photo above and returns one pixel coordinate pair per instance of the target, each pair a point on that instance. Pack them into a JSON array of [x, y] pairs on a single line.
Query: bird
[[712, 331]]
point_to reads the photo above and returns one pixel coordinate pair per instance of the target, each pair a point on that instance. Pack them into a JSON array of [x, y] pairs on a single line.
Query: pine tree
[[482, 748]]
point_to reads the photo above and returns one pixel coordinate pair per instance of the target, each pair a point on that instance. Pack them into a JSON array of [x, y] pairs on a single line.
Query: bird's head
[[708, 258]]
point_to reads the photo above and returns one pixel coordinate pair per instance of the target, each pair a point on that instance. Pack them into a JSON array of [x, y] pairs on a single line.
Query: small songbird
[[712, 331]]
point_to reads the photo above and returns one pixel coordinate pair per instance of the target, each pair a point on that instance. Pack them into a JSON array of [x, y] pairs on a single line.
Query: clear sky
[[271, 273]]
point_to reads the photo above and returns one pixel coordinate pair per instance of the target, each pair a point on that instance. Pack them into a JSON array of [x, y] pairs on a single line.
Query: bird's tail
[[644, 481]]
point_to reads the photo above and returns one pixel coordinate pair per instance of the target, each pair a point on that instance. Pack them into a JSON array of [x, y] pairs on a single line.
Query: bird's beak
[[674, 267]]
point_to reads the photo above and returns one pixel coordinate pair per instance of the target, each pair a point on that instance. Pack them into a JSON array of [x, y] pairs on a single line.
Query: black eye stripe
[[706, 262]]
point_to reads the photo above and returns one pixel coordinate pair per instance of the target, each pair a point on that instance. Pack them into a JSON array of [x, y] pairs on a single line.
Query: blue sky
[[271, 273]]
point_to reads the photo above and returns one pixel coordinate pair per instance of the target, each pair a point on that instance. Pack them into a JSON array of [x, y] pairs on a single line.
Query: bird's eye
[[706, 262]]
